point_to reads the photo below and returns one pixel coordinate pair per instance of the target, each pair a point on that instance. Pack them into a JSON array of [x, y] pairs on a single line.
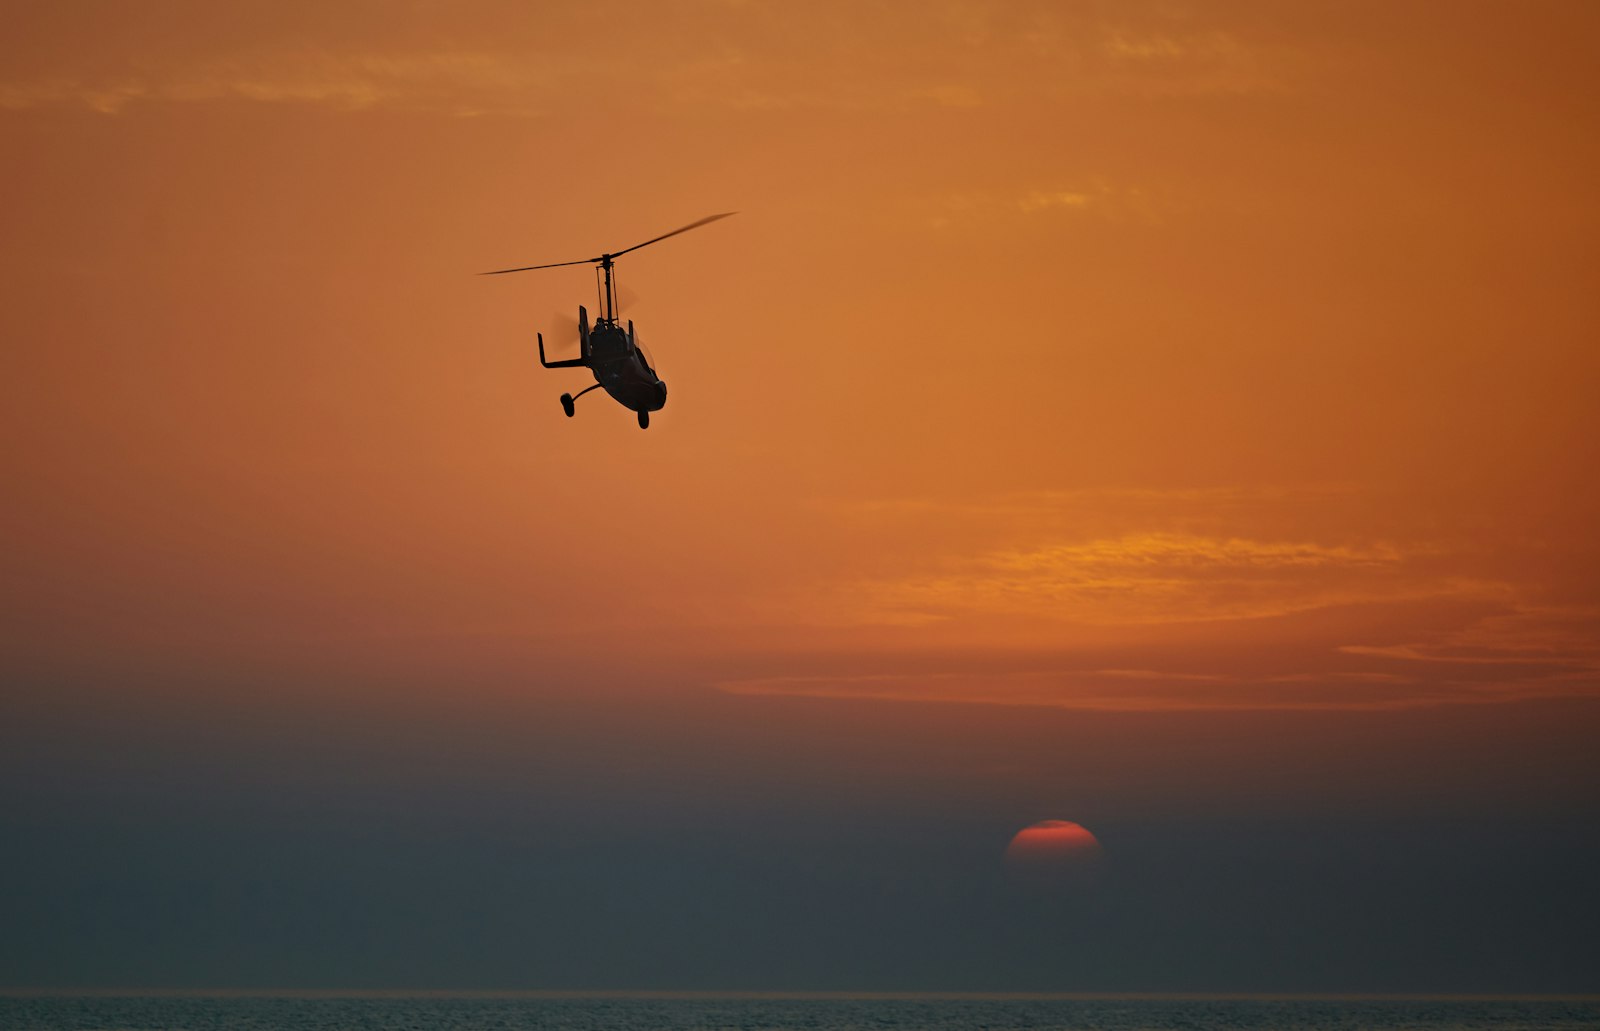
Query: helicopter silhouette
[[614, 356]]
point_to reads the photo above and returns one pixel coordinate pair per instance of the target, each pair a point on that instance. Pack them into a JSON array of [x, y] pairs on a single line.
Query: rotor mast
[[605, 261]]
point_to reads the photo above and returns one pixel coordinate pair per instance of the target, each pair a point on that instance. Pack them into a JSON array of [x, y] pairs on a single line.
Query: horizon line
[[793, 994]]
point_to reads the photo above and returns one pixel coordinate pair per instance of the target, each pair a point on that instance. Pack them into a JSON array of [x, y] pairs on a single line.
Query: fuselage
[[620, 368]]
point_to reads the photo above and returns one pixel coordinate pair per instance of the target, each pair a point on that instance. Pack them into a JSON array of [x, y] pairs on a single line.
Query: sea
[[243, 1011]]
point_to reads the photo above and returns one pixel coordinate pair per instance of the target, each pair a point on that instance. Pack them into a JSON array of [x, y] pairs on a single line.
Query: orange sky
[[1225, 355]]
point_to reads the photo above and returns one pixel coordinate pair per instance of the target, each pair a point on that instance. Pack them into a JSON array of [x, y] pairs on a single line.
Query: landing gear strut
[[644, 420], [569, 400]]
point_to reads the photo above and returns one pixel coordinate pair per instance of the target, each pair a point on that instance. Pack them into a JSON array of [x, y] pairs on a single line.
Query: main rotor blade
[[675, 232], [530, 268], [618, 254]]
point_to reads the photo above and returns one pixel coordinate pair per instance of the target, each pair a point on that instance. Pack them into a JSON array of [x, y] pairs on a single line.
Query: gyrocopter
[[612, 354]]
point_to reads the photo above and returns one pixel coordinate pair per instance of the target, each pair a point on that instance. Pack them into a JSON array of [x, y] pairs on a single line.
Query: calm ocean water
[[435, 1013]]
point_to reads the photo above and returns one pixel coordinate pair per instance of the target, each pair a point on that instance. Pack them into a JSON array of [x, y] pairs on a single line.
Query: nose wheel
[[644, 420], [567, 405]]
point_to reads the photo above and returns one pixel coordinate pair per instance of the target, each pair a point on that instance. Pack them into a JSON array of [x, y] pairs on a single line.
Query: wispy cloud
[[1093, 196], [1159, 577], [1042, 199], [1565, 638], [1150, 691], [1192, 61], [457, 82], [705, 56], [1309, 597], [1211, 683]]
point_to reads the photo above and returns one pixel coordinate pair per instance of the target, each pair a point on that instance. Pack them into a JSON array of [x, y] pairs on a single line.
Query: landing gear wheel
[[644, 420], [566, 405]]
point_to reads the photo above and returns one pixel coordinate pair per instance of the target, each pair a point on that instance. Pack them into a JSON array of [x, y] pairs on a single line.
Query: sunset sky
[[1175, 418]]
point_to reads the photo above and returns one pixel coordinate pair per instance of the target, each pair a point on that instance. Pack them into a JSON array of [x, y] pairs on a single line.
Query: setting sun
[[1054, 853]]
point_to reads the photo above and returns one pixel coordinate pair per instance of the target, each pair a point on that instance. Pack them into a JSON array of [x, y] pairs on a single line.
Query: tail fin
[[570, 363]]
